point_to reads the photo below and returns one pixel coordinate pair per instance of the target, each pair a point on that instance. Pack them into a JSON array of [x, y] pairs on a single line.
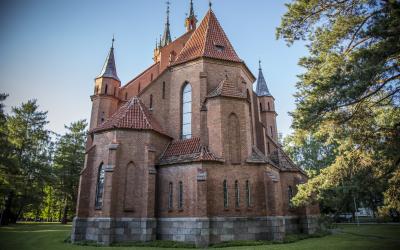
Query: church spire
[[109, 70], [166, 38], [191, 21], [262, 88]]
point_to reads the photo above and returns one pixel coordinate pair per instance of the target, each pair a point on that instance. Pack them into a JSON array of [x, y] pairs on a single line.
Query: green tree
[[32, 152], [6, 167], [68, 163], [350, 93]]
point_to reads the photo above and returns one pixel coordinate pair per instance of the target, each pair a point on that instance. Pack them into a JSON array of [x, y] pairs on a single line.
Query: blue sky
[[52, 50]]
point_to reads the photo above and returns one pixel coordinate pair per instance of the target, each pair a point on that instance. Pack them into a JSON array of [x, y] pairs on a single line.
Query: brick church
[[186, 150]]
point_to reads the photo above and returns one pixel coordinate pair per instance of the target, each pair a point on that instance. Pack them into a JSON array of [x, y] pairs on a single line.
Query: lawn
[[51, 236]]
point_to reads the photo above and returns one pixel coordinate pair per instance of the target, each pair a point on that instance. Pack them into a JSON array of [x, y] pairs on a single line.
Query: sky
[[51, 50]]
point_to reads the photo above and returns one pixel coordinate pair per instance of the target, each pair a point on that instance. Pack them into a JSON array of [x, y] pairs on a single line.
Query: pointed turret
[[267, 107], [106, 91], [262, 88], [109, 70], [166, 38], [191, 20]]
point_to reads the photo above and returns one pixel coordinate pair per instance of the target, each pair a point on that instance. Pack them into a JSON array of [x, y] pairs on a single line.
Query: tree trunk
[[65, 212], [6, 214]]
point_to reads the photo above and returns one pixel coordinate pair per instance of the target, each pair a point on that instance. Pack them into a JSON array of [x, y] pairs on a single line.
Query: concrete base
[[200, 231]]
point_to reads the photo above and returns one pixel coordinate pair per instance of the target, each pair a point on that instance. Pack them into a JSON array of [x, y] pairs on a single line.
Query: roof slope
[[208, 40], [184, 151], [226, 88], [131, 115]]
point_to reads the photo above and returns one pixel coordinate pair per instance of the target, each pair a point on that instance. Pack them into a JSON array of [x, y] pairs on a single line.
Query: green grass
[[43, 236]]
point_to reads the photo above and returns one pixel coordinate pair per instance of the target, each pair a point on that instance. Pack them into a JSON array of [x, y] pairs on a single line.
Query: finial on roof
[[259, 64], [191, 20], [209, 3], [112, 42], [261, 88], [166, 39]]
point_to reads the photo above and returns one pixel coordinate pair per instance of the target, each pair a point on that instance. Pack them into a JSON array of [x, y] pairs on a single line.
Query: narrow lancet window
[[225, 188], [290, 195], [170, 195], [100, 187], [187, 112], [151, 101], [180, 197], [237, 194], [163, 90], [248, 194]]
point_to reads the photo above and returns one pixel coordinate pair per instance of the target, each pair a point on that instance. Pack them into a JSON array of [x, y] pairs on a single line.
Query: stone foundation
[[191, 230], [199, 231], [108, 230]]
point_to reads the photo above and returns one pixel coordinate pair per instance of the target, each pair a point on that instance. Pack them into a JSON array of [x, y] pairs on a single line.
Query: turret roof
[[109, 70], [262, 88]]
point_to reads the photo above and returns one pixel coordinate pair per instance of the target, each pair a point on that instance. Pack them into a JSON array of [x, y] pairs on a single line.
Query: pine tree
[[68, 163], [350, 94]]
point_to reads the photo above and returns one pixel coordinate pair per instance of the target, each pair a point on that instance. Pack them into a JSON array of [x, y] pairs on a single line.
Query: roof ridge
[[207, 30]]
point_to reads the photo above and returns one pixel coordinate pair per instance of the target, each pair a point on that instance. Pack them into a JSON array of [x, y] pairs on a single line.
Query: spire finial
[[166, 39], [112, 42], [168, 3], [259, 64], [209, 3]]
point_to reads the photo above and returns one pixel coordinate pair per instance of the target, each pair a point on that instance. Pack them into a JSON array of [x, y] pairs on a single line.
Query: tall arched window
[[115, 91], [139, 88], [237, 194], [268, 148], [180, 197], [187, 111], [126, 96], [106, 89], [225, 188], [170, 195], [290, 195], [269, 108], [248, 194], [100, 187], [234, 139]]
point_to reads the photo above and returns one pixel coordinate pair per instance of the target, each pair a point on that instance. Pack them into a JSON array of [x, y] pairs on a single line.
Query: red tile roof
[[188, 150], [208, 40], [131, 115], [228, 89]]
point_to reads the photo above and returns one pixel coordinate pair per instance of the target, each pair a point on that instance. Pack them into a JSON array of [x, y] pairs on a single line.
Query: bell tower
[[105, 98]]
